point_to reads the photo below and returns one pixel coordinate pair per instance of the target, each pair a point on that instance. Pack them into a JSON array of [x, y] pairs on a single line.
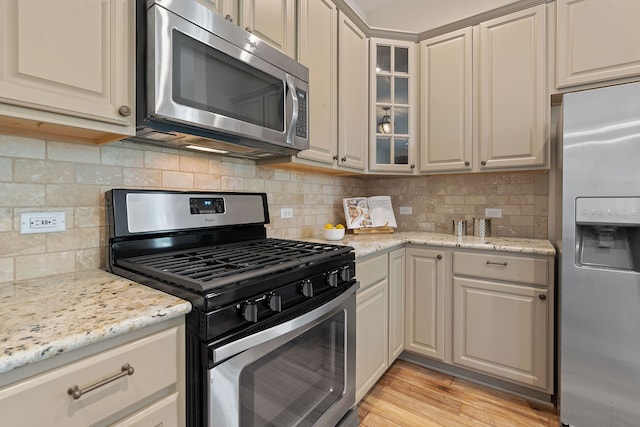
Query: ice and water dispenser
[[608, 232]]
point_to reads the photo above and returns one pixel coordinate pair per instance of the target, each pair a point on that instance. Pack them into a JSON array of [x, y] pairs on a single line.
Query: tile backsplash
[[38, 175]]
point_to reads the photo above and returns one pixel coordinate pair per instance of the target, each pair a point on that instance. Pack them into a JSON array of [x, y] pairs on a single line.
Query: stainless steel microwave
[[205, 84]]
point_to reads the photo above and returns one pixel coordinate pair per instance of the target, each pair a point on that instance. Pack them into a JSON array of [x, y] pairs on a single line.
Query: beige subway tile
[[497, 200], [43, 171], [72, 152], [521, 199], [13, 244], [74, 238], [6, 169], [87, 259], [29, 148], [6, 219], [541, 206], [26, 195], [508, 210], [118, 156], [174, 179], [244, 171], [90, 216], [161, 160], [521, 220], [541, 184], [509, 188], [528, 189], [232, 183], [521, 178], [455, 200], [476, 200], [142, 177], [98, 175], [265, 173], [252, 184], [73, 195], [194, 164], [6, 270], [31, 266], [218, 167], [206, 181]]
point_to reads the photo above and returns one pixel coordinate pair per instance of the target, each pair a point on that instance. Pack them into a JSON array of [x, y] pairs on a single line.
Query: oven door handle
[[309, 320]]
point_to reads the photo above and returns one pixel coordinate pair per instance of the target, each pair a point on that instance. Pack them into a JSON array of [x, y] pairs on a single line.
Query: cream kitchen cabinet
[[372, 330], [67, 69], [392, 127], [353, 85], [446, 142], [503, 310], [379, 316], [151, 392], [427, 309], [397, 289], [273, 21], [597, 40], [337, 94], [484, 96]]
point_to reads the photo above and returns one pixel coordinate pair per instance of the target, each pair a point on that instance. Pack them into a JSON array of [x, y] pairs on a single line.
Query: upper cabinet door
[[392, 117], [353, 94], [513, 95], [273, 21], [446, 116], [597, 40], [318, 50], [68, 57]]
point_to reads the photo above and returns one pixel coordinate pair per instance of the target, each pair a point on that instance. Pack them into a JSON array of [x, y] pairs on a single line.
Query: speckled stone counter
[[44, 317], [365, 245]]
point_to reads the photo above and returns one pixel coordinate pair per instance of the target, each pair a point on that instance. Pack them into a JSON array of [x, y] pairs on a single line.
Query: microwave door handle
[[294, 116]]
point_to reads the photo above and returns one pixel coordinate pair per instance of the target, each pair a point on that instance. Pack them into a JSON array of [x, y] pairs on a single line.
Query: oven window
[[298, 381], [209, 80]]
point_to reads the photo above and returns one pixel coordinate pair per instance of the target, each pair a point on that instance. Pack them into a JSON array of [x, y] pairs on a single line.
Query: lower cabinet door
[[425, 326], [501, 330], [371, 336]]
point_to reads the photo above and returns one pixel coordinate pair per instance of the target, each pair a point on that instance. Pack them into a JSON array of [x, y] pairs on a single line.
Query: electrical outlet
[[405, 210], [42, 222], [286, 212], [493, 212]]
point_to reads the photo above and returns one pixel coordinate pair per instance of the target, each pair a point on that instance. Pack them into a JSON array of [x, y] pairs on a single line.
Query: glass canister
[[459, 227], [482, 227]]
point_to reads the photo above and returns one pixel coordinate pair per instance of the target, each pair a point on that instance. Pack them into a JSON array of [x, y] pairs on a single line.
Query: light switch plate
[[493, 212], [286, 213], [42, 222], [406, 210]]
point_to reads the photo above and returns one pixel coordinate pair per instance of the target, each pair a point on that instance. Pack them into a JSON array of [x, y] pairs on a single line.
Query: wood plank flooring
[[408, 395]]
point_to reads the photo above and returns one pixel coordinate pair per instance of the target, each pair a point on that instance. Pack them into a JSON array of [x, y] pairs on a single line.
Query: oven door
[[199, 79], [299, 373]]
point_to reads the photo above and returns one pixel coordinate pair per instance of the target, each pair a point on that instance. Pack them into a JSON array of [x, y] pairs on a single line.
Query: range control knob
[[345, 273], [306, 288], [332, 278], [249, 311], [273, 302]]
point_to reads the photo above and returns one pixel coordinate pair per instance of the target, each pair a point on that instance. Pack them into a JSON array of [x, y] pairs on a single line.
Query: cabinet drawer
[[155, 364], [493, 265], [371, 271]]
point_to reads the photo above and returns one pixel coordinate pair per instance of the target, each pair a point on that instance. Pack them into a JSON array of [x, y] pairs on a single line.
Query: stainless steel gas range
[[271, 337]]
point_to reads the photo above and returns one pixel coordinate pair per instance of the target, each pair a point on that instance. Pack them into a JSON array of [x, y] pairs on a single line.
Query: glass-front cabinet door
[[393, 131]]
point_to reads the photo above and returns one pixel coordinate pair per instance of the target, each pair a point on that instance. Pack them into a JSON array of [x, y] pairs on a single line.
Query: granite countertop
[[368, 244], [41, 318]]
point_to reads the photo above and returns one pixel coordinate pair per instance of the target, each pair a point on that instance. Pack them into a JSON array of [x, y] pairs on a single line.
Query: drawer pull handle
[[76, 392], [542, 297], [504, 264], [439, 256]]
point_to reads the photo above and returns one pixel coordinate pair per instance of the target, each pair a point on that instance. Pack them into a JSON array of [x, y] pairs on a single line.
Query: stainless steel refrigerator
[[600, 258]]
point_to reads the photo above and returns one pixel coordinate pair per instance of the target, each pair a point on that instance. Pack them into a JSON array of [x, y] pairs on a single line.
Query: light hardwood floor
[[408, 395]]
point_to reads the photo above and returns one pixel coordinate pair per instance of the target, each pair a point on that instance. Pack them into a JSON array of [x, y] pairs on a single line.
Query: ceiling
[[417, 16]]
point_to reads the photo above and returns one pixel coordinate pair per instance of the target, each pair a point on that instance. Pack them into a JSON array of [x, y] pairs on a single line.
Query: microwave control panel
[[301, 126]]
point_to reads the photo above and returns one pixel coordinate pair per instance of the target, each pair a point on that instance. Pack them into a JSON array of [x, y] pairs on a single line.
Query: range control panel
[[608, 210]]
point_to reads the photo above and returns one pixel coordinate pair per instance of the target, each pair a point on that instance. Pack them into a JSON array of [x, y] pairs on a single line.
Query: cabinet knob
[[439, 256], [542, 297], [247, 29], [483, 163], [229, 18], [467, 163], [335, 157], [412, 166], [124, 110], [344, 159]]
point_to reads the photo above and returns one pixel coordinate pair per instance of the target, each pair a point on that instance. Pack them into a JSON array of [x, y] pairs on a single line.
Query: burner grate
[[213, 266]]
